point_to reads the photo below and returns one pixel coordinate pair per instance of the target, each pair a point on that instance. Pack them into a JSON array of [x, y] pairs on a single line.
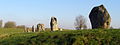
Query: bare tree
[[111, 27], [1, 23], [10, 24], [80, 22]]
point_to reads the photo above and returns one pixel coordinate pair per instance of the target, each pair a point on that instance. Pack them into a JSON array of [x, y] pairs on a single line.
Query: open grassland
[[68, 37]]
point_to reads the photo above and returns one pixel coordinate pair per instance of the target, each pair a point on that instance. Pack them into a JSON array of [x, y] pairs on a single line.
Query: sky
[[32, 12]]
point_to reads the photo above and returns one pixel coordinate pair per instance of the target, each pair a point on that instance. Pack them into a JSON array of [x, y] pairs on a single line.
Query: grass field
[[9, 36]]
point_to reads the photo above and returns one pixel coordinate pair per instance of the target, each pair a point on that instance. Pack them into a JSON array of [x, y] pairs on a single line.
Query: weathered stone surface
[[54, 24], [40, 27], [100, 17]]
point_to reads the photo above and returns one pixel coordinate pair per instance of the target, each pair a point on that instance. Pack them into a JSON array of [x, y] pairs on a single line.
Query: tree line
[[10, 24]]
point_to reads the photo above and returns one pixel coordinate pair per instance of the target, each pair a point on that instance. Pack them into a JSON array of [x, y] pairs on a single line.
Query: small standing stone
[[40, 27]]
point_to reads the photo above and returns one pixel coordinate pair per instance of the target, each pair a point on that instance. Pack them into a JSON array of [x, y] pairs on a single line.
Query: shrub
[[21, 26], [10, 24]]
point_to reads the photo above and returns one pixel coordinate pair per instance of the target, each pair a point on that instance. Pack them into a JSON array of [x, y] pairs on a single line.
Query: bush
[[10, 24], [21, 26]]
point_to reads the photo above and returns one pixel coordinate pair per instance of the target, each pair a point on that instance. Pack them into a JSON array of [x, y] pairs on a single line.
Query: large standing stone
[[100, 17], [54, 24]]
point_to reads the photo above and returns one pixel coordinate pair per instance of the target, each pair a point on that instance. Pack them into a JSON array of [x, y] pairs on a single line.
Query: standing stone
[[27, 29], [33, 28], [1, 23], [40, 27], [53, 24], [100, 17]]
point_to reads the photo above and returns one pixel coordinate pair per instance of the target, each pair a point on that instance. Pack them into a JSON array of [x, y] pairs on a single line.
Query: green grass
[[68, 37]]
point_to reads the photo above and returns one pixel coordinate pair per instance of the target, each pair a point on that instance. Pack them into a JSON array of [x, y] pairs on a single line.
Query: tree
[[111, 27], [10, 24], [1, 23], [80, 22]]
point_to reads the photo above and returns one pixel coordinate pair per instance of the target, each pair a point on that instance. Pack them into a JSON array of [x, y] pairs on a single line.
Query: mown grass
[[70, 37]]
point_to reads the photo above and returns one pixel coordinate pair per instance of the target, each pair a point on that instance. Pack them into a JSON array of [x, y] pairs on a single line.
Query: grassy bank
[[70, 37]]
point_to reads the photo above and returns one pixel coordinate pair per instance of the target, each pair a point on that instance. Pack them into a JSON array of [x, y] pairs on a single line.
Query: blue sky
[[32, 12]]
